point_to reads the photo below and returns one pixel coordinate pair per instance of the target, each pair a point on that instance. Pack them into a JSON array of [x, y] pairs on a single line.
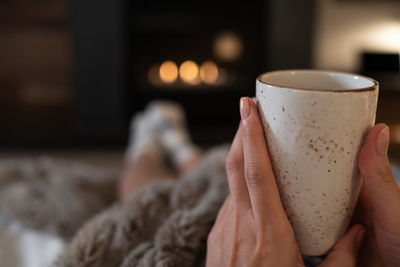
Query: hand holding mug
[[252, 228]]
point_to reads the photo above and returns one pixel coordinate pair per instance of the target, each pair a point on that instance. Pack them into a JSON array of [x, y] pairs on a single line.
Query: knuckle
[[380, 170], [386, 175], [231, 163], [248, 129], [253, 173], [264, 249]]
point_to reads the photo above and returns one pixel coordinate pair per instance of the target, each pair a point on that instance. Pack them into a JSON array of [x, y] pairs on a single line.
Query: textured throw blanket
[[165, 224]]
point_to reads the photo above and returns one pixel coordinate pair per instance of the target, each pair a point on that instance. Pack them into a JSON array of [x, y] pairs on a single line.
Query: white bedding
[[21, 247]]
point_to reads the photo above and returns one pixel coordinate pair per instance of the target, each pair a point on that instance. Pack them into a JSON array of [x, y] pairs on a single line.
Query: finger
[[235, 172], [345, 252], [260, 179], [379, 185]]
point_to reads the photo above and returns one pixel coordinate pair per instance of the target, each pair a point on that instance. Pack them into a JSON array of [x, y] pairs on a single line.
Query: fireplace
[[203, 56]]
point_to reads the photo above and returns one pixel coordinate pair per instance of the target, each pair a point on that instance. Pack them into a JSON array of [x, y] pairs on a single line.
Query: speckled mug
[[315, 123]]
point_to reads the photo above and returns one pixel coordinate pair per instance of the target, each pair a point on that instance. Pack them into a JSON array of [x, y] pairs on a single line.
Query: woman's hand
[[379, 203], [252, 228]]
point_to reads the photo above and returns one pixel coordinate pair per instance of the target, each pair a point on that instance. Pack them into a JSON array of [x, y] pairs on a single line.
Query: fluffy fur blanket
[[165, 224]]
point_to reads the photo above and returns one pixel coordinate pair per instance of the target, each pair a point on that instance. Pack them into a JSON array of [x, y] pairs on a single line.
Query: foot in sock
[[144, 158], [167, 120], [142, 140], [160, 130]]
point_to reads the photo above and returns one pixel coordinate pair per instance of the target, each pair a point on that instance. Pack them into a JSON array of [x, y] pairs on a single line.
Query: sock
[[168, 122], [142, 140]]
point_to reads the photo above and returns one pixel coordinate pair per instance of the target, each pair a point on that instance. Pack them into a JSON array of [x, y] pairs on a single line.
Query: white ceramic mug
[[315, 123]]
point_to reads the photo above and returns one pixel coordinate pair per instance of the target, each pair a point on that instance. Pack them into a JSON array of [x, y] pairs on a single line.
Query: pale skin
[[147, 168], [253, 230]]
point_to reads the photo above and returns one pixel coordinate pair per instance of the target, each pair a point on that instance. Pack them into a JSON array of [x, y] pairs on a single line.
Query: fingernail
[[244, 108], [382, 142], [360, 236]]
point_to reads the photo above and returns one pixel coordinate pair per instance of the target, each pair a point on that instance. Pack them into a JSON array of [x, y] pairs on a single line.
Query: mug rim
[[374, 86]]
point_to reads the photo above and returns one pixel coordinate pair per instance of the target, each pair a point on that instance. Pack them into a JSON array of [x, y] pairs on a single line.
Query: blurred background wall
[[73, 72], [346, 29], [36, 63]]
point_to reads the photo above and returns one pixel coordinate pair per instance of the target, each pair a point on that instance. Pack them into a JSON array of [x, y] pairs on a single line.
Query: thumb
[[374, 166], [345, 252]]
